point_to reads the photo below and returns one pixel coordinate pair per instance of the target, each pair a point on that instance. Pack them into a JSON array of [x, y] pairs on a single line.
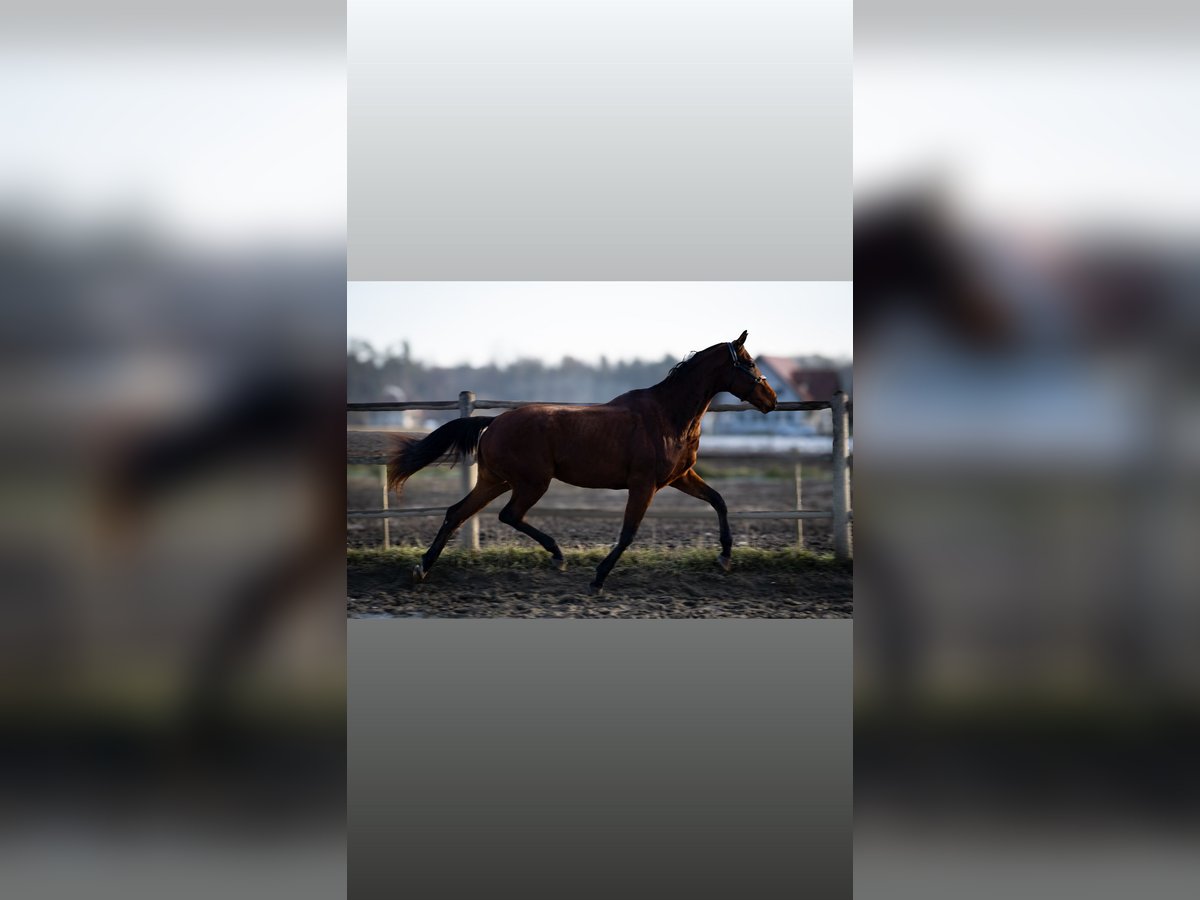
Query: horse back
[[594, 446]]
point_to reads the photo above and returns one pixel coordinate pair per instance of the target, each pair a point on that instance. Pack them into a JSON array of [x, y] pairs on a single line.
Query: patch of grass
[[765, 473], [762, 470], [747, 559]]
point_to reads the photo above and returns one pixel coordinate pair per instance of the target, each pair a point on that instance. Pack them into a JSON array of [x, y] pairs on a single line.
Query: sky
[[447, 323]]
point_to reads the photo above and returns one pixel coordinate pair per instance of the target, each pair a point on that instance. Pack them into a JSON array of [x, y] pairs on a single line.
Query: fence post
[[387, 530], [799, 505], [468, 538], [842, 548]]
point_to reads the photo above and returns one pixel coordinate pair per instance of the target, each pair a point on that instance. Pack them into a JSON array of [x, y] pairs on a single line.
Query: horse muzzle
[[764, 401]]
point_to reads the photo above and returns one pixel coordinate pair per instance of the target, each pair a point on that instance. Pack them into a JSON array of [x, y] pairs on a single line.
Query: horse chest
[[679, 456]]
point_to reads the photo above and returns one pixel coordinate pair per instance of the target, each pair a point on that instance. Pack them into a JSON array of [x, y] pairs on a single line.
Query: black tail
[[460, 436]]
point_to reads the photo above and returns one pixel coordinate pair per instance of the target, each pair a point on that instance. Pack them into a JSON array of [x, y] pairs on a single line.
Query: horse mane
[[683, 362]]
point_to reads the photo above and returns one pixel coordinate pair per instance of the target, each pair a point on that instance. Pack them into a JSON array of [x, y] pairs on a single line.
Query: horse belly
[[591, 478], [592, 448]]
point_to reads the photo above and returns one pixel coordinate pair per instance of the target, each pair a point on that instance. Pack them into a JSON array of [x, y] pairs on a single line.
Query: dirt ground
[[633, 591], [778, 584]]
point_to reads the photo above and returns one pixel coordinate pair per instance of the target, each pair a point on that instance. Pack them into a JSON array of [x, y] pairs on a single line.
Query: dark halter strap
[[746, 367]]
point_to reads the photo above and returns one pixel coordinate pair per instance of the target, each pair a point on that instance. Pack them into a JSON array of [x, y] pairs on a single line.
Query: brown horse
[[641, 441]]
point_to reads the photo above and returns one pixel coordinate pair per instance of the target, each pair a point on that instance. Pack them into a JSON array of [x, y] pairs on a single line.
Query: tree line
[[375, 375]]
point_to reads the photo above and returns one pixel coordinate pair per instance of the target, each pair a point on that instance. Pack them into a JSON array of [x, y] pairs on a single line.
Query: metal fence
[[840, 513]]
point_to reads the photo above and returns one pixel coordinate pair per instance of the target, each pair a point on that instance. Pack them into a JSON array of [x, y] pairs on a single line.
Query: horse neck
[[686, 400]]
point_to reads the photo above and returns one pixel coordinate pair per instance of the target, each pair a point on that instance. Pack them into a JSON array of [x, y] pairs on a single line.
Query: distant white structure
[[793, 382], [404, 419]]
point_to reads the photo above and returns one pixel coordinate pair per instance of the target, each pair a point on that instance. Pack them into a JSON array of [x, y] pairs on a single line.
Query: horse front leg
[[695, 486], [635, 511]]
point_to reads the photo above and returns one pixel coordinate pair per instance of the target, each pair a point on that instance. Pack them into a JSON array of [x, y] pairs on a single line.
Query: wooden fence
[[370, 448]]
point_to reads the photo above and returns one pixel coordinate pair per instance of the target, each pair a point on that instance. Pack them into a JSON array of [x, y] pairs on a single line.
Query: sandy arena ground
[[784, 586]]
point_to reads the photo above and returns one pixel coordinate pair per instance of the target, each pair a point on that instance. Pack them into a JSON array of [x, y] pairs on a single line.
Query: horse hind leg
[[484, 492], [523, 498]]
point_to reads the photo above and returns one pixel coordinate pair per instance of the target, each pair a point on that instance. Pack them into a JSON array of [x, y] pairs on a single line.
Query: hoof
[[724, 562], [418, 574], [559, 563], [594, 589]]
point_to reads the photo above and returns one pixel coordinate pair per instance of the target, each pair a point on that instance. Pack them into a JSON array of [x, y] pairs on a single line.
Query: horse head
[[746, 382]]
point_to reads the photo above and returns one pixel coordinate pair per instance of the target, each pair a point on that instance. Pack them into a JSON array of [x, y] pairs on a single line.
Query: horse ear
[[741, 340]]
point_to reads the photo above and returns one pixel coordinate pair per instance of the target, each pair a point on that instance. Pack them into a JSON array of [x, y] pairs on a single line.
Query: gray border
[[607, 759], [592, 140]]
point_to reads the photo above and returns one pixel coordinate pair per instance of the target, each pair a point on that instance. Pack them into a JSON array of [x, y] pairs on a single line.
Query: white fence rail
[[369, 448]]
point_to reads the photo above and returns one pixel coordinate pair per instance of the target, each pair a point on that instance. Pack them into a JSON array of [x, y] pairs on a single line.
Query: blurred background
[[172, 244], [172, 193], [1027, 302]]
